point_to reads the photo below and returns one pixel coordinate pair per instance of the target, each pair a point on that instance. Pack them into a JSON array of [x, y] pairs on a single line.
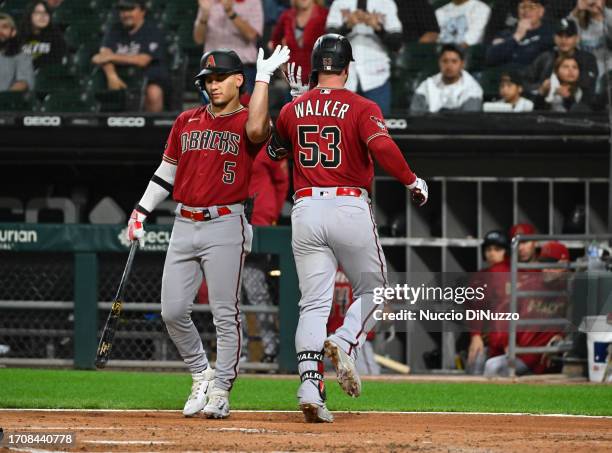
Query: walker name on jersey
[[335, 109], [224, 141]]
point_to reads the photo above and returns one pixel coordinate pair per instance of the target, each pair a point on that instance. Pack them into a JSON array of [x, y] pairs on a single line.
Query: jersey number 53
[[319, 146]]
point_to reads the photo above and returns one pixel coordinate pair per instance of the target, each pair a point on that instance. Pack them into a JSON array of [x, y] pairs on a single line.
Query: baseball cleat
[[202, 383], [313, 413], [218, 404], [346, 371]]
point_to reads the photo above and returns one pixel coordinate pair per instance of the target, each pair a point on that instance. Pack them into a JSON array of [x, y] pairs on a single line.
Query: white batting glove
[[294, 77], [419, 192], [135, 231], [266, 67]]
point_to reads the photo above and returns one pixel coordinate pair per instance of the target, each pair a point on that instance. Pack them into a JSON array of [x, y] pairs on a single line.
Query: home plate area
[[286, 431]]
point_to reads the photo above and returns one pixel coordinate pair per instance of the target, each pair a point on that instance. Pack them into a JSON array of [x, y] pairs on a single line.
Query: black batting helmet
[[331, 52], [496, 237], [220, 61]]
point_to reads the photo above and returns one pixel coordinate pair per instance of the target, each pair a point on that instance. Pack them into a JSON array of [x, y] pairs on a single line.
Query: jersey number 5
[[310, 151], [229, 174]]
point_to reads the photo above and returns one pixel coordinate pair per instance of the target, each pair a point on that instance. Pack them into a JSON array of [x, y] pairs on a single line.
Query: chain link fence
[[37, 321]]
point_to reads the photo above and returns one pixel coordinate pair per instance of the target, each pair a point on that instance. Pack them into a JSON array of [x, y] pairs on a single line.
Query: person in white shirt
[[510, 92], [463, 22], [374, 29], [452, 89]]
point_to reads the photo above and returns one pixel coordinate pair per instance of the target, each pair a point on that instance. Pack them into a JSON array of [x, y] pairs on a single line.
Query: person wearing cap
[[522, 44], [452, 89], [510, 92], [231, 24], [16, 72], [567, 40], [206, 166], [527, 250], [538, 307], [135, 41], [489, 340]]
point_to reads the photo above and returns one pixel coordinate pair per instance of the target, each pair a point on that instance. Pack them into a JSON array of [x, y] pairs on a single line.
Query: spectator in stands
[[452, 89], [418, 21], [535, 307], [589, 15], [374, 30], [510, 92], [231, 24], [494, 279], [42, 40], [463, 22], [135, 42], [521, 45], [504, 15], [538, 74], [562, 92], [527, 250], [298, 28], [16, 73]]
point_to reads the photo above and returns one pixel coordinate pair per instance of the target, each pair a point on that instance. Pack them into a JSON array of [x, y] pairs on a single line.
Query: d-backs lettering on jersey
[[214, 157], [329, 131]]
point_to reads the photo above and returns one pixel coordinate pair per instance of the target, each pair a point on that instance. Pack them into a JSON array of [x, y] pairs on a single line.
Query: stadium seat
[[65, 205], [81, 59], [118, 100], [52, 78], [179, 12], [69, 101], [11, 101], [82, 33], [77, 12], [14, 8], [489, 81], [475, 58]]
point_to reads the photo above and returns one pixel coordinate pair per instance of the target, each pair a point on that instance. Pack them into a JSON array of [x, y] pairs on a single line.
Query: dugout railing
[[589, 297], [80, 323]]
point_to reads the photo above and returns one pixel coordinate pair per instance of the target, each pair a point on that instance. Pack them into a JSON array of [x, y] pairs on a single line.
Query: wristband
[[232, 16]]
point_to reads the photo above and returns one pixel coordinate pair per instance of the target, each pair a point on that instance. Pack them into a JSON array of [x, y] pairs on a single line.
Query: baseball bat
[[392, 364], [106, 340]]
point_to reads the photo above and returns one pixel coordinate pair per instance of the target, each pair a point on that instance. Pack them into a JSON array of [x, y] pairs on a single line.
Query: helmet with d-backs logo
[[331, 52], [220, 61]]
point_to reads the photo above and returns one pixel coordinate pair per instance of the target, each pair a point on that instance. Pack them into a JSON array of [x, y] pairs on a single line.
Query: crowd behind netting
[[410, 55]]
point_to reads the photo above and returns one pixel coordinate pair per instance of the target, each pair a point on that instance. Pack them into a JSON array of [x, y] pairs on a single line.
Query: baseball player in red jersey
[[206, 166], [333, 134]]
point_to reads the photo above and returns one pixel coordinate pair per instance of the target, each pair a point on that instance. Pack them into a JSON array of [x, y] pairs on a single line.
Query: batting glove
[[419, 192], [266, 67], [135, 231], [294, 77]]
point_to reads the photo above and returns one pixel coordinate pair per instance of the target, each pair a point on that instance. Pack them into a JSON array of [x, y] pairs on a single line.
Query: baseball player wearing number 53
[[333, 134], [206, 166]]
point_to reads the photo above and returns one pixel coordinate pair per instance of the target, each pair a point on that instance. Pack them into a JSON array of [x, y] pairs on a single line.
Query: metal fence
[[581, 300], [40, 321]]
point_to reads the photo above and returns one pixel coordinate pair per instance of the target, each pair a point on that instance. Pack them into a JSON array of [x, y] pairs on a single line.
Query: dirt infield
[[285, 431]]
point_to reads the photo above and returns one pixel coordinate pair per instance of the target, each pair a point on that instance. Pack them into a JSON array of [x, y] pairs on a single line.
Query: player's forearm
[[159, 188], [258, 123], [390, 158]]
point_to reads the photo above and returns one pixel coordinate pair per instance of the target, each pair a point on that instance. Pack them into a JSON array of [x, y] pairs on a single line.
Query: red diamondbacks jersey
[[213, 156], [329, 131]]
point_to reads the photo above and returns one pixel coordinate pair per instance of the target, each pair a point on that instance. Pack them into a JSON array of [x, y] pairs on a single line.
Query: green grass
[[24, 388]]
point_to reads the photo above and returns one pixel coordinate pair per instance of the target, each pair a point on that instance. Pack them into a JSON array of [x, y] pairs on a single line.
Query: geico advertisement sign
[[125, 121], [46, 121]]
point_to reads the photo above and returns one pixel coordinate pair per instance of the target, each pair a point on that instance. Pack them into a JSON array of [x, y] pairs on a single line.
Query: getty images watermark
[[414, 295]]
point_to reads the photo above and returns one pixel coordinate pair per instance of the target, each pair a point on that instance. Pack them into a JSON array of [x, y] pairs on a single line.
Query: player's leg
[[356, 245], [181, 280], [316, 268], [225, 243]]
